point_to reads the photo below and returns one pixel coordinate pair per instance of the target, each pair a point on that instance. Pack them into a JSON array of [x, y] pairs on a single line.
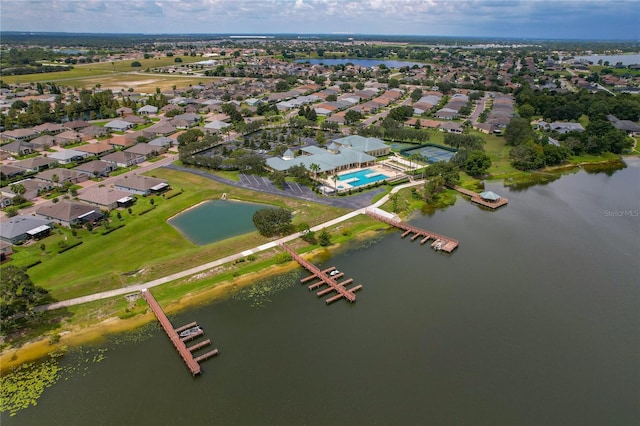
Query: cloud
[[531, 18]]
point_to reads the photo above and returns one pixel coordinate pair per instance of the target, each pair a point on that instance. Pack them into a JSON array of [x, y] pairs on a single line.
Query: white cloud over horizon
[[617, 19]]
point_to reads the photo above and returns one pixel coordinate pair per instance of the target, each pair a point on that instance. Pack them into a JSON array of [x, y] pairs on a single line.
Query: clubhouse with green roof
[[341, 154]]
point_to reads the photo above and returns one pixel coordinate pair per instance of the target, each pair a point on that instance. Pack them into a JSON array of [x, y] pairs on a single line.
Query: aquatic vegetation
[[23, 386], [260, 294]]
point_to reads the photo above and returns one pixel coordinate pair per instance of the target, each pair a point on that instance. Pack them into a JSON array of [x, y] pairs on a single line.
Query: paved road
[[215, 263]]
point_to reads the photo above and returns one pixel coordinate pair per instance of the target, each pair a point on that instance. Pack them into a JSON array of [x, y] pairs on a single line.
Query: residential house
[[67, 213], [162, 142], [68, 137], [11, 172], [36, 164], [105, 197], [148, 110], [66, 156], [97, 149], [50, 128], [123, 158], [92, 132], [148, 151], [96, 168], [18, 148], [143, 185], [34, 187], [76, 125], [60, 176], [451, 127], [21, 228], [20, 134], [43, 142], [118, 125], [216, 126]]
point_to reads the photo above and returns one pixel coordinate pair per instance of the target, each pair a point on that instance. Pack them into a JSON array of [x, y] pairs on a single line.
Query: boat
[[438, 245], [334, 272], [189, 331]]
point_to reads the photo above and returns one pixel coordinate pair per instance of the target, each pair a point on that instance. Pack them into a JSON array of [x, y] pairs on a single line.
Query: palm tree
[[335, 182], [315, 168]]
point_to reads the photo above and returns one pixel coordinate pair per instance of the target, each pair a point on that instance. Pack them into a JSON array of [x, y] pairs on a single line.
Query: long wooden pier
[[476, 198], [186, 352], [440, 242], [324, 277]]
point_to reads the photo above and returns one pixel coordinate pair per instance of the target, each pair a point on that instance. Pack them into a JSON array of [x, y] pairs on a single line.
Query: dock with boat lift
[[325, 277], [439, 243], [179, 336]]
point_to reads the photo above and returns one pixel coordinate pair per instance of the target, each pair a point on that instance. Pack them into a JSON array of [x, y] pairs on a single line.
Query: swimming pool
[[361, 177]]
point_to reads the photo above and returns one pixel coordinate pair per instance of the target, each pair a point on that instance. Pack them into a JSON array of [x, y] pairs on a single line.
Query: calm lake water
[[629, 59], [532, 321], [216, 220], [362, 62]]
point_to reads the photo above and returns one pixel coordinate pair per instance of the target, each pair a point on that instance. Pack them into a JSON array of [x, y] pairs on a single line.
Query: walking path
[[215, 263]]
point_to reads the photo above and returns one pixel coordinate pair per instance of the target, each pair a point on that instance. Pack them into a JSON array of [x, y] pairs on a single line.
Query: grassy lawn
[[91, 71], [147, 247]]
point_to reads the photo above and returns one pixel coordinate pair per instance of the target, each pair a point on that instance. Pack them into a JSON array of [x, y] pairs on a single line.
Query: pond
[[361, 62], [216, 220]]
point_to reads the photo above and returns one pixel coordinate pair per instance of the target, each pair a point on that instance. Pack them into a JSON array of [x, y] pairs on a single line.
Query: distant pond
[[216, 220], [362, 62]]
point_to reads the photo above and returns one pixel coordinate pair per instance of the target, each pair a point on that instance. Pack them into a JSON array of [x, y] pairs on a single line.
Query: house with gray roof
[[143, 185], [22, 228], [66, 156], [149, 151], [51, 128], [18, 148], [162, 142], [123, 158], [119, 125], [628, 126], [148, 110], [8, 171]]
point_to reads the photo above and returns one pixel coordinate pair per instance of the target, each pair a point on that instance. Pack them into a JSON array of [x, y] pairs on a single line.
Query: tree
[[416, 94], [324, 238], [527, 156], [273, 221], [477, 163], [518, 131], [19, 297], [352, 116], [136, 64], [177, 60], [315, 168], [446, 170], [282, 86], [278, 179]]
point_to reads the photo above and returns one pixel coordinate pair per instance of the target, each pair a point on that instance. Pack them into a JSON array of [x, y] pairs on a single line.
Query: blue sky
[[574, 19]]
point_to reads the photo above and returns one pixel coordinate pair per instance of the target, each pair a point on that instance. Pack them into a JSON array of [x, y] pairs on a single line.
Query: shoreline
[[75, 336]]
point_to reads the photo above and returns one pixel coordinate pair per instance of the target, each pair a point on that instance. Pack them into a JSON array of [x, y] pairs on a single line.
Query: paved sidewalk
[[215, 263]]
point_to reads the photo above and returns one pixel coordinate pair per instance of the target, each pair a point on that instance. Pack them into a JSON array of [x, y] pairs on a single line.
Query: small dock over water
[[493, 202], [179, 336], [439, 243], [328, 277]]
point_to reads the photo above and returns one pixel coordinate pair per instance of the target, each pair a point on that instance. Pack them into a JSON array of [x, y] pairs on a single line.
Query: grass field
[[147, 247], [117, 74]]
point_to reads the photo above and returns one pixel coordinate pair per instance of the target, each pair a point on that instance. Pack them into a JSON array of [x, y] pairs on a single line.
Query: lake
[[613, 59], [361, 62], [216, 220], [533, 320]]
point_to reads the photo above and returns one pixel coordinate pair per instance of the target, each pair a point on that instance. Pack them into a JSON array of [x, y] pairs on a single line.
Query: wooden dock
[[439, 243], [325, 279], [186, 352], [476, 198]]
